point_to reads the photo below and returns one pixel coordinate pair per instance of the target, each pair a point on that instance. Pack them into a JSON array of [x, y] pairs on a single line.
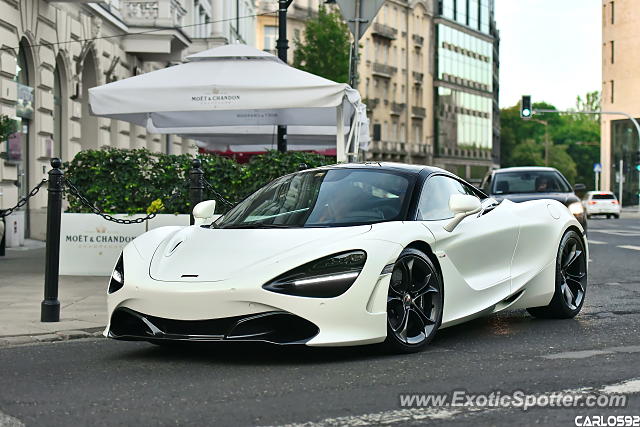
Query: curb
[[6, 341]]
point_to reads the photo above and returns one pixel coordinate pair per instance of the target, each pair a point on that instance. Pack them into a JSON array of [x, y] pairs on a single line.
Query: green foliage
[[326, 45], [139, 181], [7, 127], [574, 139]]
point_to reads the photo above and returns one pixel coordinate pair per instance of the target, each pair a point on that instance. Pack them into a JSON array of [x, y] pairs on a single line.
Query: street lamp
[[282, 44]]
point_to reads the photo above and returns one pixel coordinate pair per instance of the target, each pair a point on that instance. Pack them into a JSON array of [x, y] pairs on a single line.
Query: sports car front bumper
[[276, 327], [240, 309]]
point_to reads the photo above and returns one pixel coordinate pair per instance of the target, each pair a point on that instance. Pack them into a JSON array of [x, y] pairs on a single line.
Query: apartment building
[[467, 114], [267, 23], [620, 86], [396, 81], [53, 52], [428, 73]]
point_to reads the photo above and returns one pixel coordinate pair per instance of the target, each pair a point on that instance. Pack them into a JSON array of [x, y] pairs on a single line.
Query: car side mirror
[[578, 188], [203, 212], [462, 205]]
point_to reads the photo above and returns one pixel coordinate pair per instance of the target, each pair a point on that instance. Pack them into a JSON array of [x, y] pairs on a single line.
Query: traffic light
[[525, 107], [638, 161]]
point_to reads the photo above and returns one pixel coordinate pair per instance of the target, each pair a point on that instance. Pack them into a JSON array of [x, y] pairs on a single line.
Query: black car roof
[[390, 166]]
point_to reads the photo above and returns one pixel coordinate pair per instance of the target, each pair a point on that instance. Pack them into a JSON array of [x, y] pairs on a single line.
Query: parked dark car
[[520, 184]]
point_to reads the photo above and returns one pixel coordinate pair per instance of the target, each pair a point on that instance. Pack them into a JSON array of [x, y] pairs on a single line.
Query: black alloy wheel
[[414, 302], [571, 280]]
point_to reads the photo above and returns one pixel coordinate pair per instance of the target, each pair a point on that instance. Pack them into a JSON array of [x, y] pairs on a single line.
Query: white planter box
[[90, 245]]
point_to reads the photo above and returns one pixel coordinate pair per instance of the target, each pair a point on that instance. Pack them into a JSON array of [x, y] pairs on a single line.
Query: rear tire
[[616, 216], [571, 280], [414, 302]]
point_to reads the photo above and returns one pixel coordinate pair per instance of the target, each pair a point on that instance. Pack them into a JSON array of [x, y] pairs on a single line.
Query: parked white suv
[[601, 203]]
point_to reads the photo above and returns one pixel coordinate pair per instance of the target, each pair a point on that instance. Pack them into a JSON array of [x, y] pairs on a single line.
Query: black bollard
[[50, 307], [196, 186], [3, 238]]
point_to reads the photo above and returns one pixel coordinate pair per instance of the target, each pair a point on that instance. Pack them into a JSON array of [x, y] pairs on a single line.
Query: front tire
[[414, 302], [571, 280]]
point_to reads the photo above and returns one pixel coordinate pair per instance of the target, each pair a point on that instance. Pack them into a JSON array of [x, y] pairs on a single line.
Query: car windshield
[[529, 182], [322, 198]]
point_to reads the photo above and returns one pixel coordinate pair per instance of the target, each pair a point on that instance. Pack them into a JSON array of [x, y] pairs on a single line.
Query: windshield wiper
[[257, 225]]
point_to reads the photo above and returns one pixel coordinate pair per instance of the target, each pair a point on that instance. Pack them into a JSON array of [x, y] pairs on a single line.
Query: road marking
[[635, 248], [398, 416], [582, 354], [627, 233], [9, 421], [404, 416], [596, 242], [631, 386]]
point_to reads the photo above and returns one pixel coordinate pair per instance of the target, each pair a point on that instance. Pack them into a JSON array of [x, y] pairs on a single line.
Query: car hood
[[198, 254], [565, 198]]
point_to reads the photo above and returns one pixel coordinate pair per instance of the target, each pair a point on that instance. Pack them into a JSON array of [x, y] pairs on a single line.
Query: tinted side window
[[434, 199]]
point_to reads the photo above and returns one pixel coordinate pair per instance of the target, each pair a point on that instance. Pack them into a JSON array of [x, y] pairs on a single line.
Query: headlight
[[117, 277], [323, 278], [576, 208]]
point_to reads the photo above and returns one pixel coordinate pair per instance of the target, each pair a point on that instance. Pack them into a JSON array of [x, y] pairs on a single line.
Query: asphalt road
[[100, 382]]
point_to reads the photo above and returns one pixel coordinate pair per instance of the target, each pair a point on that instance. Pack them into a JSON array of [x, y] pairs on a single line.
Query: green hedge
[[139, 181]]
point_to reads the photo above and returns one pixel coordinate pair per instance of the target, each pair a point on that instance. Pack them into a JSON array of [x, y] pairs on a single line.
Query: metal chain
[[75, 192], [24, 200], [218, 195]]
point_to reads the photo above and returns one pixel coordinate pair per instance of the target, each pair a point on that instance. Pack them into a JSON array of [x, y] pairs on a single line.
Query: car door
[[477, 254]]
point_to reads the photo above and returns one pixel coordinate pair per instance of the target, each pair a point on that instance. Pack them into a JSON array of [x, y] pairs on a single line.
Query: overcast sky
[[549, 49]]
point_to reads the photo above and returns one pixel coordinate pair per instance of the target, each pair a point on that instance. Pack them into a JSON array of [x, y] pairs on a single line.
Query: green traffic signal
[[525, 107]]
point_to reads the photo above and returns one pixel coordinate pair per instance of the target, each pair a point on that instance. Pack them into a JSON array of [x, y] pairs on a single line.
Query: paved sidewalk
[[82, 300], [630, 212]]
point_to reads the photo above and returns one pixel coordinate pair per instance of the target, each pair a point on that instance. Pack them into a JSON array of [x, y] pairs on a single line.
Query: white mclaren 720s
[[349, 254]]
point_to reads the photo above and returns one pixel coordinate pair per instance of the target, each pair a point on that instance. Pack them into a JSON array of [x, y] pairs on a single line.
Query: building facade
[[428, 73], [467, 118], [620, 86], [53, 52], [396, 73], [267, 23]]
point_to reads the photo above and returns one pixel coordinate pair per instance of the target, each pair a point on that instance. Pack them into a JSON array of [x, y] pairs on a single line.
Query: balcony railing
[[384, 70], [397, 108], [152, 13], [385, 31], [371, 103], [419, 111]]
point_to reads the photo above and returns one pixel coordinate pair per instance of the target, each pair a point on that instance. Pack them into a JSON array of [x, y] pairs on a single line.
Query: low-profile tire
[[571, 280], [414, 302]]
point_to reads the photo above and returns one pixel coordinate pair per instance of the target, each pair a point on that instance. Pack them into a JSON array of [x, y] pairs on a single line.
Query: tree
[[325, 48], [574, 139], [8, 126], [591, 102]]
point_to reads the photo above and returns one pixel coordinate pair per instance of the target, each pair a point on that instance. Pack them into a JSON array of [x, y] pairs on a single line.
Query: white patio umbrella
[[220, 92]]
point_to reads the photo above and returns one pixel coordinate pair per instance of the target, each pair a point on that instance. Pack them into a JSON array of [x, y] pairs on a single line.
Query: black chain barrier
[[50, 307], [218, 195], [76, 193], [23, 201]]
